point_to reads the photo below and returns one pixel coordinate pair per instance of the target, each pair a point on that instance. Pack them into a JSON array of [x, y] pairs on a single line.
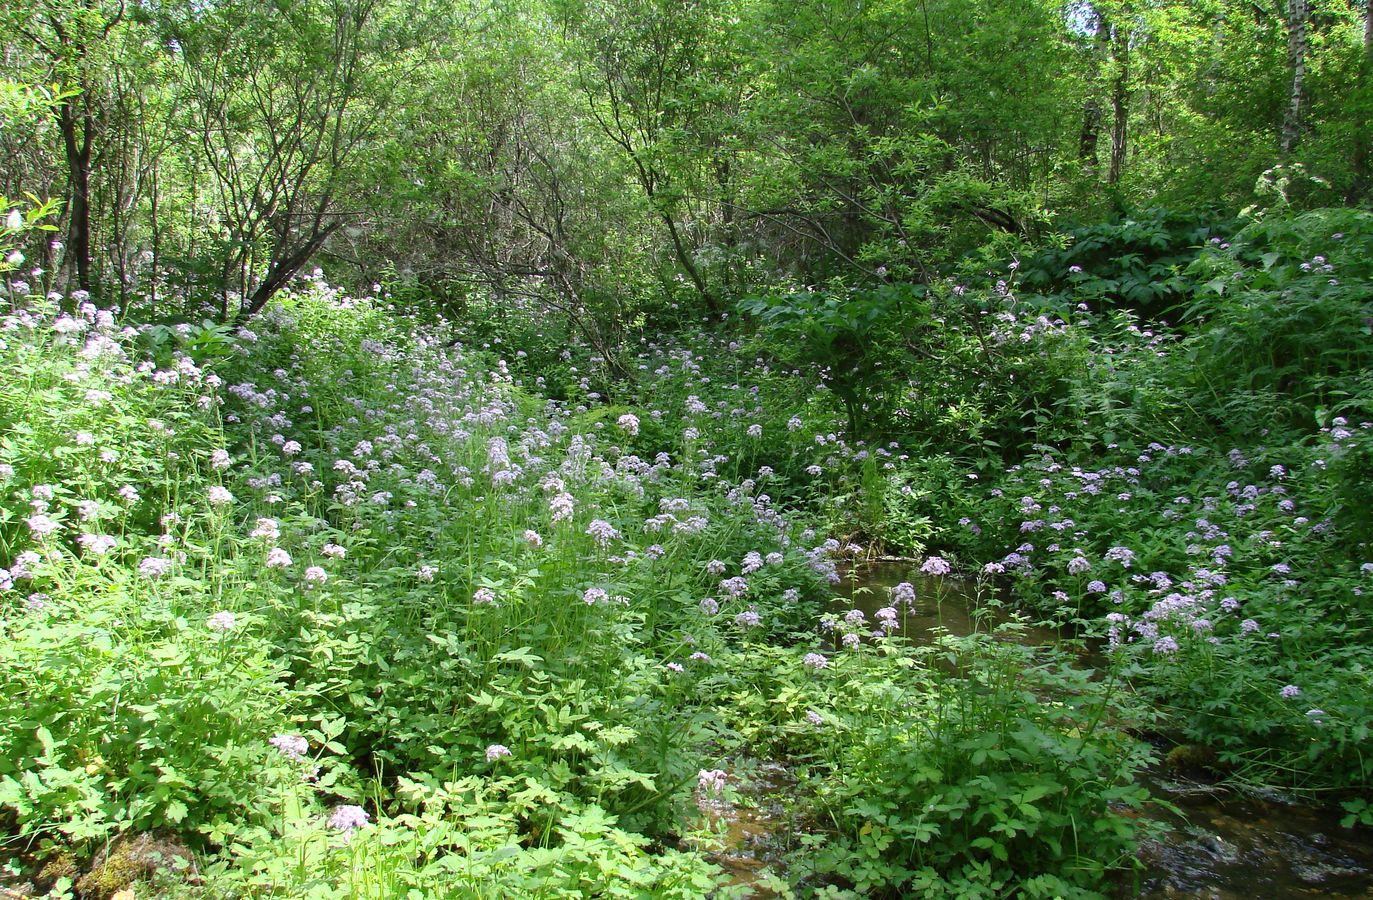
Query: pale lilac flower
[[333, 551], [267, 530], [815, 661], [532, 538], [218, 496], [711, 781], [936, 566], [129, 494], [42, 525], [1079, 564], [1096, 587], [1165, 645], [222, 621], [594, 595], [814, 717], [603, 532], [426, 573], [1122, 555], [675, 667], [348, 818], [734, 586], [629, 423], [154, 567], [316, 575], [484, 597], [709, 606], [278, 558], [561, 507], [97, 544], [748, 619], [497, 751], [755, 431], [219, 459], [292, 746], [1290, 691]]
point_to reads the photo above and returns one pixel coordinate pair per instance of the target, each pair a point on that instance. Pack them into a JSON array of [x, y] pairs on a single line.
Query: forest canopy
[[589, 155]]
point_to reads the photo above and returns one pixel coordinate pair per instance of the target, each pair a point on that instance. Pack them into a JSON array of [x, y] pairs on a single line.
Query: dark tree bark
[[1090, 137], [76, 126], [1298, 16], [1363, 177], [1120, 104]]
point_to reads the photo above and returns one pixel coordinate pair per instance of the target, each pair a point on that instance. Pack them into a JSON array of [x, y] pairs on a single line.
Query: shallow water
[[942, 605], [1219, 844], [753, 834], [1230, 846]]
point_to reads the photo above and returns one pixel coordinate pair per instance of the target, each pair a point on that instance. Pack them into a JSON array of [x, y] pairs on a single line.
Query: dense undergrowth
[[347, 603]]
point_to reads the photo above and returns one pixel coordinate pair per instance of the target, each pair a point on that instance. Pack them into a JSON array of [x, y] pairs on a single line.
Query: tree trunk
[[684, 257], [283, 269], [1298, 12], [1091, 130], [1120, 104], [1090, 137], [76, 142], [1359, 186]]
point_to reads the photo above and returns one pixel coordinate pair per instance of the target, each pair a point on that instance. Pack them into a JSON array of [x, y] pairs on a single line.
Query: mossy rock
[[1191, 759], [132, 859], [55, 868]]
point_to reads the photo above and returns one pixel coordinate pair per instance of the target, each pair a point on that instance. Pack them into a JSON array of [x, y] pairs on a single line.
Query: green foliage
[[970, 768], [1137, 262], [852, 336]]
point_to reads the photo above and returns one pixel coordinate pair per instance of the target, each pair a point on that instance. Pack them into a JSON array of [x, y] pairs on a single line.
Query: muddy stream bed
[[1221, 843]]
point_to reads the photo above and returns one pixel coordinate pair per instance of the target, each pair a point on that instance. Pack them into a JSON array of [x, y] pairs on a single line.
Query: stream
[[1220, 844]]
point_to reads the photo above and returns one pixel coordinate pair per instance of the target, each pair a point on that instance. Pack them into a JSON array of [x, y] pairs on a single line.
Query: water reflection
[[942, 605]]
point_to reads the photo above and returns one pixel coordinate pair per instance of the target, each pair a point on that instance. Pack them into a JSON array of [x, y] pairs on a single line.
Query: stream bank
[[1211, 840]]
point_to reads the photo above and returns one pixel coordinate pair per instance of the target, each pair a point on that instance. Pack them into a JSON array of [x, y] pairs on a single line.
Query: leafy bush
[[988, 768], [1138, 262]]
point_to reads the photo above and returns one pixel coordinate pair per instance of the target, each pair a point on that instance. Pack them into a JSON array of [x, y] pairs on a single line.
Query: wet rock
[[129, 860], [1317, 872], [1214, 846], [1314, 860]]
